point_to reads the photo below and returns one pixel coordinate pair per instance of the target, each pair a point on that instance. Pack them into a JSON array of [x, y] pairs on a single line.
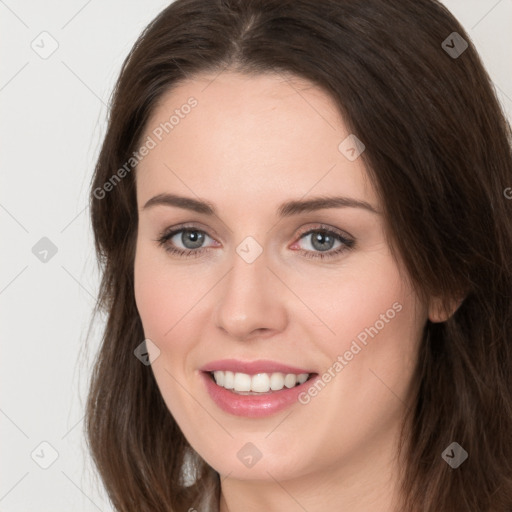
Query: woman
[[301, 212]]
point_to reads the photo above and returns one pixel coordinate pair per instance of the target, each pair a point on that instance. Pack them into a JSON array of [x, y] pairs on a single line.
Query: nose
[[251, 300]]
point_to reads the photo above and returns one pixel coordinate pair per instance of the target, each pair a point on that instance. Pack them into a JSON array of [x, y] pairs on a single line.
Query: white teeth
[[219, 378], [229, 380], [259, 383], [303, 377], [276, 381], [242, 382], [290, 380]]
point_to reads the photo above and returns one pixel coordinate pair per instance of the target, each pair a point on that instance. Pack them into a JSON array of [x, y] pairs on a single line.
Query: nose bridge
[[249, 300]]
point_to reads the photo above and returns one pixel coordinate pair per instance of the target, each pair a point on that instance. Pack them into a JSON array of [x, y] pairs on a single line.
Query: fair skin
[[249, 145]]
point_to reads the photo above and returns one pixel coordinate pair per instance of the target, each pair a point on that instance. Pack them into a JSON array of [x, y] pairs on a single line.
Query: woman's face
[[253, 295]]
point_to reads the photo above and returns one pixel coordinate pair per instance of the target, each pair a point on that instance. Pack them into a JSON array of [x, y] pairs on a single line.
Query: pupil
[[322, 241], [192, 239]]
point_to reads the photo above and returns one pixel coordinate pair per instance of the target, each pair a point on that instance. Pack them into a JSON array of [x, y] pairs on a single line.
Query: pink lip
[[251, 367], [253, 406]]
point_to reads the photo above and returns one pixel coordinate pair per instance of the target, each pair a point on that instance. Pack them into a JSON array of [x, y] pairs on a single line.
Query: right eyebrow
[[187, 203]]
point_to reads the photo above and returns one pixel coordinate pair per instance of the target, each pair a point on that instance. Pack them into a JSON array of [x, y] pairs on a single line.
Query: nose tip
[[239, 331]]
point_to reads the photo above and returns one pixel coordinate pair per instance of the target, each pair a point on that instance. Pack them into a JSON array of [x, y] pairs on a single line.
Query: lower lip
[[254, 406]]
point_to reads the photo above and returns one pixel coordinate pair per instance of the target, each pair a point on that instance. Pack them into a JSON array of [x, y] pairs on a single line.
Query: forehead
[[263, 134]]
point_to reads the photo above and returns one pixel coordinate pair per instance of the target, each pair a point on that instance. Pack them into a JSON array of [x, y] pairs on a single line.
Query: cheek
[[161, 292], [148, 291], [372, 319], [162, 302], [151, 297], [344, 304], [377, 323]]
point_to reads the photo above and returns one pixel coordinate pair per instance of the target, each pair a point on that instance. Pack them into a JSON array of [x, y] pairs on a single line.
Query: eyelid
[[169, 232], [324, 227]]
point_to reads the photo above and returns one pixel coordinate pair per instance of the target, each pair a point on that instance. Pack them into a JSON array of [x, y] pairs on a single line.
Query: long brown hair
[[438, 150]]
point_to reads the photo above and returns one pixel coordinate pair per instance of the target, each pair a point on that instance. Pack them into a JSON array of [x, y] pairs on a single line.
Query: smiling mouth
[[258, 384]]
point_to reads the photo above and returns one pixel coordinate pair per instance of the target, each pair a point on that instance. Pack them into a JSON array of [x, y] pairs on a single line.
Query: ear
[[439, 312]]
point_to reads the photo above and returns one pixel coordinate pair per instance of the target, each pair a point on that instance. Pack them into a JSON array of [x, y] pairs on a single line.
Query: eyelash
[[194, 253]]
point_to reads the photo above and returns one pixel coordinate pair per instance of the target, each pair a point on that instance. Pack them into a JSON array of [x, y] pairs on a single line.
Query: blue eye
[[191, 238], [322, 241]]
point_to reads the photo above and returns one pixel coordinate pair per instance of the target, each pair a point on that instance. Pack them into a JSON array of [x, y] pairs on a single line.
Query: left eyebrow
[[319, 203], [286, 209]]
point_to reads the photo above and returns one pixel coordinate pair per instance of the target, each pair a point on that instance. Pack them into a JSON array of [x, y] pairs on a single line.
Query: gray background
[[52, 116]]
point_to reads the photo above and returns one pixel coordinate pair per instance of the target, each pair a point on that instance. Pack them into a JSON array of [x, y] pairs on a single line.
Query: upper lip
[[252, 367]]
